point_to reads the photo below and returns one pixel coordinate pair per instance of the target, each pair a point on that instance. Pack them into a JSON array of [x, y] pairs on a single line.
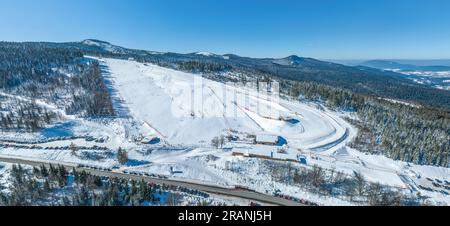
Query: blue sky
[[325, 29]]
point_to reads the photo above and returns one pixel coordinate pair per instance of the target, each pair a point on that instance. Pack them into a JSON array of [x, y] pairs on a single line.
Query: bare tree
[[122, 156]]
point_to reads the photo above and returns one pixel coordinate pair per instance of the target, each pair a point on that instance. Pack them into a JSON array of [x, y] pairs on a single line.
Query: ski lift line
[[259, 96], [282, 105], [240, 108], [36, 101], [224, 107]]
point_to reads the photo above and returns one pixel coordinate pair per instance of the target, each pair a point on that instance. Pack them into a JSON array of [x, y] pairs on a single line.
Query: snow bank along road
[[250, 195]]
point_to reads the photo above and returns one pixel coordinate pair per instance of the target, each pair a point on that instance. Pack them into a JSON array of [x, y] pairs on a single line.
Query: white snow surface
[[164, 102]]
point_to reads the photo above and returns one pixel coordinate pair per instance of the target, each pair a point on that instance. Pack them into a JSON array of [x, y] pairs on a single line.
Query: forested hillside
[[418, 133], [57, 76]]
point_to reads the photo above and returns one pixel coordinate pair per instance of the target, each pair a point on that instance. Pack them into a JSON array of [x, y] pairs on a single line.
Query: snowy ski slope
[[181, 109]]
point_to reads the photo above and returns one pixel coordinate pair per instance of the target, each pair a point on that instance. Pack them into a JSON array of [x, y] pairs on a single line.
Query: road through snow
[[157, 102]]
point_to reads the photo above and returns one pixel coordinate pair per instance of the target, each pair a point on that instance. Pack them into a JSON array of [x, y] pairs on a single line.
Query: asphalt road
[[244, 194]]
